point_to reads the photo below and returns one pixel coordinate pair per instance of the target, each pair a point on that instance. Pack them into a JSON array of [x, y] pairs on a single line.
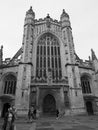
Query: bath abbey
[[47, 73]]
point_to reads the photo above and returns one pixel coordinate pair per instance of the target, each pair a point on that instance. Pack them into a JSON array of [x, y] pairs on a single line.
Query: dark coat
[[6, 120]]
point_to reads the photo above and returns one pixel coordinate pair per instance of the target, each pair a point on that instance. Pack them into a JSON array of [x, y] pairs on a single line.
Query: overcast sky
[[83, 16]]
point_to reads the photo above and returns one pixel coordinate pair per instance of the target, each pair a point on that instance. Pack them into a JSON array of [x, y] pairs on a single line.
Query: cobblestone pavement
[[64, 123], [68, 123]]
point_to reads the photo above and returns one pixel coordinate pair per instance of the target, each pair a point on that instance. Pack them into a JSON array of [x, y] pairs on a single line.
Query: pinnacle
[[30, 11]]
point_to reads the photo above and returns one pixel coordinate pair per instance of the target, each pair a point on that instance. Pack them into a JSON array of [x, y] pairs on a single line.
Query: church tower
[[95, 65], [1, 55], [72, 68], [25, 65]]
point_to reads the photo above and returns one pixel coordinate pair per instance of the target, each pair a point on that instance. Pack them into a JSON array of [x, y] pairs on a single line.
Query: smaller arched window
[[85, 83], [10, 84]]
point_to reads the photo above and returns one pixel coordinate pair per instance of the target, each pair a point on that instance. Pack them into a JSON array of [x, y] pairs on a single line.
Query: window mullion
[[12, 87], [54, 62], [8, 87], [46, 57]]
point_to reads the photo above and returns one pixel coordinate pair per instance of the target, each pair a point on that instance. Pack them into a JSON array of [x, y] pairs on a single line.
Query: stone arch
[[49, 104], [40, 35], [6, 106], [44, 92], [86, 74], [51, 32], [6, 74], [89, 107], [8, 91]]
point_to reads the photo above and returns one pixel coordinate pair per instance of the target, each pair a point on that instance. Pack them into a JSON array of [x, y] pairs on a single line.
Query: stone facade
[[47, 73]]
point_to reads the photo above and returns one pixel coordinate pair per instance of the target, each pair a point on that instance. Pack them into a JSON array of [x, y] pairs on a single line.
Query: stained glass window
[[10, 84], [48, 56], [85, 83]]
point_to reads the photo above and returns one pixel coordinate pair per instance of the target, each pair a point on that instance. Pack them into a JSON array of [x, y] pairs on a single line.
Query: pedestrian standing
[[57, 114], [34, 113], [9, 120], [37, 113], [31, 114], [14, 111]]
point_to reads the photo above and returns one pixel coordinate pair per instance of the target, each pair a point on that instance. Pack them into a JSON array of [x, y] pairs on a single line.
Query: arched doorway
[[5, 108], [49, 105], [89, 108]]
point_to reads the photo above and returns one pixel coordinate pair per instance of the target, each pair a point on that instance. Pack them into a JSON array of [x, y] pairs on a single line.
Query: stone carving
[[48, 23]]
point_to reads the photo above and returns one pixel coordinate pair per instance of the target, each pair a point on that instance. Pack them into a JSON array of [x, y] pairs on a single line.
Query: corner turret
[[94, 60], [28, 36], [30, 16], [64, 18], [26, 66], [64, 14], [67, 37], [93, 56], [1, 55], [30, 12]]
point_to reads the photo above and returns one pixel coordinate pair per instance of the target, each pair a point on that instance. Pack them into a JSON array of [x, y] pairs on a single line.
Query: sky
[[83, 17]]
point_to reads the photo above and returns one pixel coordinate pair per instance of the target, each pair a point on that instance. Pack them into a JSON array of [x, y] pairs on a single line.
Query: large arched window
[[85, 83], [48, 57], [10, 84]]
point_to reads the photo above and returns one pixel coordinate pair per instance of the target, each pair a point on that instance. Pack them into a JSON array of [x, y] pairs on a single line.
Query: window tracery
[[85, 83], [9, 85], [48, 56]]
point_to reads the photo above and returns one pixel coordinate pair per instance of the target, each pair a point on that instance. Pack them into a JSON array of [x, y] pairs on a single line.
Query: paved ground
[[64, 123]]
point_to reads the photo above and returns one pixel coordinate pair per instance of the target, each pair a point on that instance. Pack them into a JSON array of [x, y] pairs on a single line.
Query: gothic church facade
[[47, 73]]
